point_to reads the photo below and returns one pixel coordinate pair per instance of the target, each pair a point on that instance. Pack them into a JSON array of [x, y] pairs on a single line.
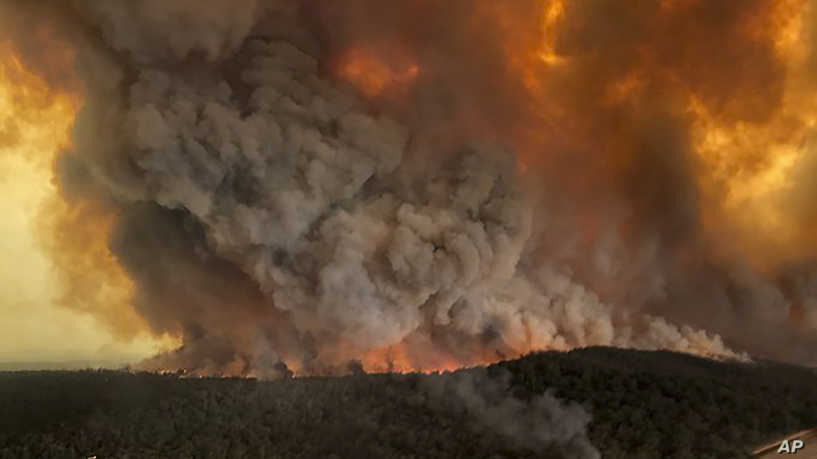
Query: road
[[809, 450]]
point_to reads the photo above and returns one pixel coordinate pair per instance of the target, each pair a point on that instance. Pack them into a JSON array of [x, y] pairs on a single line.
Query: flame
[[403, 358]]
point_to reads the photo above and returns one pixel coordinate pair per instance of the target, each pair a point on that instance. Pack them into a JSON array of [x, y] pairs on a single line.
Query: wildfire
[[600, 106], [399, 359]]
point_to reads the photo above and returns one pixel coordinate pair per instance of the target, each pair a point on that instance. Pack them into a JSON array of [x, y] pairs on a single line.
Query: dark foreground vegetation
[[642, 404]]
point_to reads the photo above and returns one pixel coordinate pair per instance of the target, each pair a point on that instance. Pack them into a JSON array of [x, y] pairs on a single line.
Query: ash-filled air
[[414, 185]]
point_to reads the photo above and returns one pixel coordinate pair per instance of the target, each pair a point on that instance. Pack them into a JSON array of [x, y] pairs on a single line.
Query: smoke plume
[[423, 185], [542, 424]]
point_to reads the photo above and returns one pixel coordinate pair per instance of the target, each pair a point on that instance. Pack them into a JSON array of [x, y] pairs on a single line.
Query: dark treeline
[[643, 405]]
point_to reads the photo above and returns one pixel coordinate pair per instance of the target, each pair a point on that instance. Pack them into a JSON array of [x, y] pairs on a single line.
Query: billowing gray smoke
[[296, 184], [268, 211], [542, 424]]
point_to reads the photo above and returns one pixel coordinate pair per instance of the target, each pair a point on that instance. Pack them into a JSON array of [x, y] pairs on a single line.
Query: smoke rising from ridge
[[542, 423], [421, 185]]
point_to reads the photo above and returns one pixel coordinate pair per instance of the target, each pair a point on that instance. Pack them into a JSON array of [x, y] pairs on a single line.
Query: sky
[[34, 327]]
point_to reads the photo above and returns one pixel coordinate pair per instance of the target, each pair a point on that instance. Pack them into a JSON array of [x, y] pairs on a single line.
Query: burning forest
[[290, 186]]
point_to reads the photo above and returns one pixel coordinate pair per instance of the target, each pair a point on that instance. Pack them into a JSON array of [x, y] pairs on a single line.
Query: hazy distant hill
[[66, 365], [643, 405]]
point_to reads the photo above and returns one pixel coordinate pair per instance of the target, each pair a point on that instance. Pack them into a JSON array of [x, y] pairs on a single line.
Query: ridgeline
[[640, 405]]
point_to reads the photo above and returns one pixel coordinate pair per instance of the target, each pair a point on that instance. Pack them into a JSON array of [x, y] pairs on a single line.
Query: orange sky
[[34, 124]]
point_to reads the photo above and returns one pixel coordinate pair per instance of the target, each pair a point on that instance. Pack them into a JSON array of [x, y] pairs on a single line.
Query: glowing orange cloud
[[36, 124], [373, 75]]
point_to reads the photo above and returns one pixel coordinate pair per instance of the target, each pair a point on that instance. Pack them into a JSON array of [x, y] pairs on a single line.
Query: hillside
[[628, 404]]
